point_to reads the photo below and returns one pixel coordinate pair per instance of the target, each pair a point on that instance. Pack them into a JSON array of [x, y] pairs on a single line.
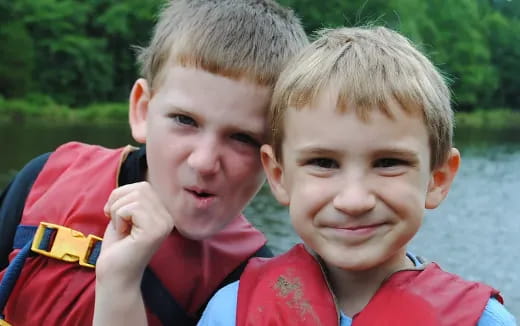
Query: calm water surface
[[475, 232]]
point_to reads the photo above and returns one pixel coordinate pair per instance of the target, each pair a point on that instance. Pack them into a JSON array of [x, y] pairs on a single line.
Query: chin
[[194, 235], [351, 263]]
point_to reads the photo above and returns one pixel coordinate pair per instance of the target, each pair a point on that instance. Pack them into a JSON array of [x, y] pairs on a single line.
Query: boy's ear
[[139, 100], [441, 180], [274, 172]]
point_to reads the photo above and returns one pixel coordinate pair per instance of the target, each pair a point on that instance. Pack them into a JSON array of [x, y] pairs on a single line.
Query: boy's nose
[[354, 199], [205, 158]]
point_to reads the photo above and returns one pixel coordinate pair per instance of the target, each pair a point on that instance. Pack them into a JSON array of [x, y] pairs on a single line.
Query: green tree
[[79, 52], [16, 53], [456, 42], [83, 49], [509, 8], [450, 32], [504, 43], [128, 24], [332, 13], [70, 66]]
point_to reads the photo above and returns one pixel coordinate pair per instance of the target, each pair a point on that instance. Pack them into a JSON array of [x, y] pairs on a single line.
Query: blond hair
[[369, 67], [251, 39]]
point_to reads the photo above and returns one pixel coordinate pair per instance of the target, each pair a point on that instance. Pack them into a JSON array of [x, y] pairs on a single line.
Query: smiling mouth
[[357, 231], [362, 227]]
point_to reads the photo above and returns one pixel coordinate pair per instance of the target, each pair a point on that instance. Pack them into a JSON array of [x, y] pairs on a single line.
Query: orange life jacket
[[291, 289], [71, 190]]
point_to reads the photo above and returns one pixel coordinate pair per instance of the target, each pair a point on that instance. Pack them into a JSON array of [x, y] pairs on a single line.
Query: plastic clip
[[68, 245], [4, 323]]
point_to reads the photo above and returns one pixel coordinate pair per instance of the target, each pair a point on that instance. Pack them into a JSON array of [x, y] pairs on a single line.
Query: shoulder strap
[[264, 251], [161, 303], [12, 202]]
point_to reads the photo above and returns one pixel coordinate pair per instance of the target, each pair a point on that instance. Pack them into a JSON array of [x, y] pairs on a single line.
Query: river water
[[474, 233]]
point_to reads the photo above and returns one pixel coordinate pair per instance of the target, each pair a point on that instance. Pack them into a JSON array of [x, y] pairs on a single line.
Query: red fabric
[[288, 290], [292, 290], [71, 190]]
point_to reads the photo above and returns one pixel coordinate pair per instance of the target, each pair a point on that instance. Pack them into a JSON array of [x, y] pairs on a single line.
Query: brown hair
[[369, 67], [250, 39]]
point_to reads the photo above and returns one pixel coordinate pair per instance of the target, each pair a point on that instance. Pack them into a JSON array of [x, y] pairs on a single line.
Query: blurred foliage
[[79, 52], [474, 42], [41, 107], [488, 119]]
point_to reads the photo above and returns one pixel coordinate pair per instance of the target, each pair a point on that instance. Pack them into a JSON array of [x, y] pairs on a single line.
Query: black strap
[[12, 202], [264, 251], [156, 297], [161, 303]]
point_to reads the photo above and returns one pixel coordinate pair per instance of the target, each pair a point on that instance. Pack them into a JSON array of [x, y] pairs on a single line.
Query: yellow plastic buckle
[[68, 245], [4, 323]]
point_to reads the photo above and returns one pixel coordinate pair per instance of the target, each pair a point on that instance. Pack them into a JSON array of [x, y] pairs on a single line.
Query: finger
[[111, 235], [116, 195], [121, 201], [136, 208], [124, 217]]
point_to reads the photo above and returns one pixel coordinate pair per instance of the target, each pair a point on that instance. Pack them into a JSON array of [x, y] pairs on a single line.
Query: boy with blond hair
[[361, 145], [176, 232]]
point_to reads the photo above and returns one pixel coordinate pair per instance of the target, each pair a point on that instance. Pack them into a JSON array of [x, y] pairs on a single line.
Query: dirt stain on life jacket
[[291, 289]]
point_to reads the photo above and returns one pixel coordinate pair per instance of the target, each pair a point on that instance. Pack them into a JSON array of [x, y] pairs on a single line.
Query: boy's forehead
[[197, 90], [324, 120], [227, 63], [326, 125], [172, 68], [334, 101]]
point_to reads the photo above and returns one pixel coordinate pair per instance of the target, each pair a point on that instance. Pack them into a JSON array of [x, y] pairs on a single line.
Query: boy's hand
[[139, 224]]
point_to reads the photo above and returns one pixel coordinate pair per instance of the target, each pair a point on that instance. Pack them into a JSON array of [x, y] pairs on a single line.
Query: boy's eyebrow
[[315, 150], [188, 111], [178, 108], [259, 135], [403, 153], [182, 110], [400, 152]]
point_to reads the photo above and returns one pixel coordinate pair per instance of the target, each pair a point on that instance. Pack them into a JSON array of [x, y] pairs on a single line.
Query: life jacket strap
[[155, 294], [63, 243], [10, 277], [49, 240]]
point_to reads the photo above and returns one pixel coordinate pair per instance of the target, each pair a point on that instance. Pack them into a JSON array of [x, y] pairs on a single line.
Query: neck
[[354, 289]]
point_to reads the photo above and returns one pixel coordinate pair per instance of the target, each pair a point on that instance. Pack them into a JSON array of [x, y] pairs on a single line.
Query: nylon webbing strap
[[23, 240], [161, 302], [11, 275], [157, 298]]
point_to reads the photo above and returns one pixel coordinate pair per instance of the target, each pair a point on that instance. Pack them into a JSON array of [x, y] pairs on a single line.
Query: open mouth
[[200, 194]]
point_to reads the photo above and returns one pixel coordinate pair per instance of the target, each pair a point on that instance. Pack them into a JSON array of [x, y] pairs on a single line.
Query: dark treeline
[[78, 52]]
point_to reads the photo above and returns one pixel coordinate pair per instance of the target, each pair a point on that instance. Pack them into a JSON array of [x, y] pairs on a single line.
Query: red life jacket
[[71, 190], [291, 289]]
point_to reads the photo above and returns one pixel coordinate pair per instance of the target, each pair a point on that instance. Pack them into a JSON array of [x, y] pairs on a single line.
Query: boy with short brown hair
[[361, 145], [176, 232]]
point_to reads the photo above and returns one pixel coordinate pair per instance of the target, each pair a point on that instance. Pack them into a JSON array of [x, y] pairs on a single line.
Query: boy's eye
[[324, 163], [389, 162], [183, 119], [246, 139]]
